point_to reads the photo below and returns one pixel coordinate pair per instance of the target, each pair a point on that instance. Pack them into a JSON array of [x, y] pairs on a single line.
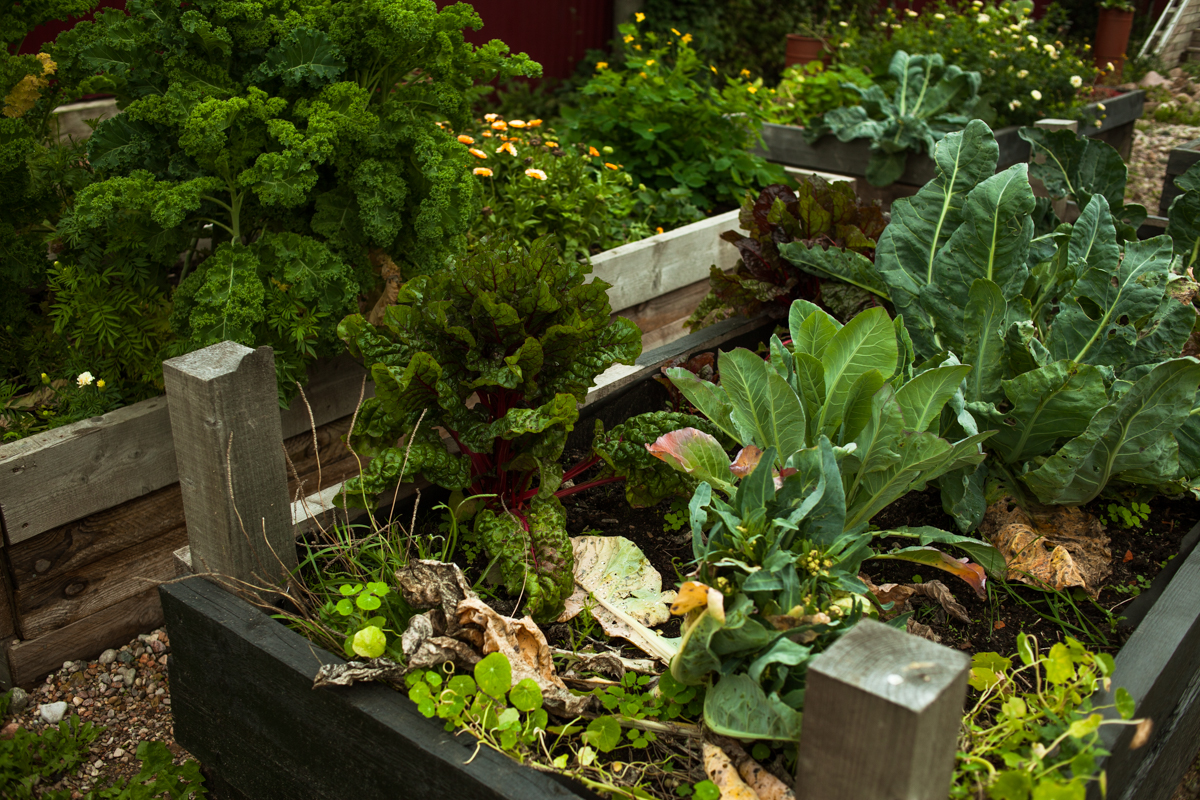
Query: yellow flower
[[45, 378], [490, 117], [537, 123], [650, 62], [643, 75], [507, 148], [910, 12], [500, 125], [475, 151], [844, 24], [551, 145], [462, 137], [601, 65], [482, 171], [100, 384], [611, 166], [752, 89], [745, 73], [1035, 94], [628, 38], [939, 16], [517, 123], [1100, 106], [1109, 66], [593, 152], [637, 47], [640, 17], [677, 33], [658, 229], [536, 173], [687, 37], [714, 69]]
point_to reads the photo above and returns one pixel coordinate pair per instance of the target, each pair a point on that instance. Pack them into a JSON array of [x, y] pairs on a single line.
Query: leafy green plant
[[365, 636], [643, 110], [1133, 515], [1183, 224], [1028, 72], [930, 100], [521, 336], [534, 185], [1075, 355], [1034, 731], [275, 152], [818, 213], [808, 91]]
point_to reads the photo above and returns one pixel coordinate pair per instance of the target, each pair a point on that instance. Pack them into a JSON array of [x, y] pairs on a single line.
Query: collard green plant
[[498, 350], [817, 213], [1076, 360], [929, 101], [1034, 730], [275, 148], [1183, 225]]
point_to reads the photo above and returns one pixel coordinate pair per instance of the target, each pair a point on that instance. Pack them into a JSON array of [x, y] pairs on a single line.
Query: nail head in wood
[[225, 421], [881, 717]]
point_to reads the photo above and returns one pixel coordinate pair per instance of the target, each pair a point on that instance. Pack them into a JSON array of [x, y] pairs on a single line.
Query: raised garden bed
[[243, 703], [1180, 161], [785, 144], [91, 511]]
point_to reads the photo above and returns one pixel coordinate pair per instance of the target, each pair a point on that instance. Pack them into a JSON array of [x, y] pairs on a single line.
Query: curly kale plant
[[498, 350], [277, 147], [1076, 347], [819, 214], [930, 100]]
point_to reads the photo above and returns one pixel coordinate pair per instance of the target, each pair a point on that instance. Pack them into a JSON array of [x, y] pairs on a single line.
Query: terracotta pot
[[1112, 37], [803, 49]]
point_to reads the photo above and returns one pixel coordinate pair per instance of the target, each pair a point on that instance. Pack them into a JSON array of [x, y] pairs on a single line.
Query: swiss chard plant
[[1076, 357], [282, 149], [817, 213], [498, 350], [930, 100]]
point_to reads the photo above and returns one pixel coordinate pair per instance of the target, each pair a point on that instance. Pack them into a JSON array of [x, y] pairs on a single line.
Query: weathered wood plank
[[32, 659], [242, 698], [67, 473], [332, 390], [232, 469], [52, 602], [642, 271], [661, 312], [1179, 162], [8, 614], [6, 678], [1160, 667], [881, 717]]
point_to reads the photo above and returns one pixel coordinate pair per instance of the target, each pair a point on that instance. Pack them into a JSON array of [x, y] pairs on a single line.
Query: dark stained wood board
[[1179, 162], [8, 614], [116, 625], [243, 702]]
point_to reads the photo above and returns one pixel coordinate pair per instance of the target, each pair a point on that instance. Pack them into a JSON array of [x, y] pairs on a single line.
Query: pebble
[[108, 657], [18, 701], [118, 753], [125, 656], [52, 713]]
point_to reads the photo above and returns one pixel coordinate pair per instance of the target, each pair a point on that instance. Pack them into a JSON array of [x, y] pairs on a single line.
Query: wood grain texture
[[666, 309], [32, 659], [67, 473], [8, 614], [332, 390], [642, 271], [6, 679], [1160, 667], [881, 717], [232, 470], [243, 702], [48, 603]]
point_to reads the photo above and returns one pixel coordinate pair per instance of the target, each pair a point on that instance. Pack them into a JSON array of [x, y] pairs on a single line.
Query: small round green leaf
[[494, 675], [462, 685], [707, 790], [603, 733], [526, 695], [378, 588], [368, 602], [370, 642], [1126, 705], [345, 607], [349, 590]]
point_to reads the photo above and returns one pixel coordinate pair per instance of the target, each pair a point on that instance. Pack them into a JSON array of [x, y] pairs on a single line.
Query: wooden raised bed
[[91, 512], [244, 706], [1180, 161], [785, 144]]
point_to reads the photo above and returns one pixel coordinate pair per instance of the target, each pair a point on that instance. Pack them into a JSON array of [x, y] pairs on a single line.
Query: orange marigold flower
[[687, 37], [483, 171], [517, 123], [487, 134], [611, 166], [551, 145], [507, 148], [500, 125], [536, 173], [490, 117], [475, 151], [658, 229], [593, 152], [535, 123], [639, 16], [643, 75], [462, 137]]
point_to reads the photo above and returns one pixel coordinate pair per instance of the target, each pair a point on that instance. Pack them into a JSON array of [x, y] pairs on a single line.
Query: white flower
[[910, 12], [1032, 39], [844, 24], [1100, 106], [1098, 124], [1076, 81], [844, 44], [939, 16], [1035, 94], [992, 54], [983, 19], [1022, 73], [1109, 66], [84, 379], [1014, 105]]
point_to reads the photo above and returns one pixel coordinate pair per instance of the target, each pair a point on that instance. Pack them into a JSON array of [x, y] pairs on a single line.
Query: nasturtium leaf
[[370, 642], [1084, 727], [367, 602], [462, 685], [1126, 705], [603, 733], [493, 674], [1059, 667], [526, 695]]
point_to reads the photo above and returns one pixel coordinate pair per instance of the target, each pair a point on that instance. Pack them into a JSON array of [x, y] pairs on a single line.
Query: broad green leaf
[[1130, 439], [696, 453], [1047, 404], [810, 386], [766, 411], [493, 674], [983, 345], [370, 642], [1076, 166], [1183, 225], [811, 329], [865, 343], [836, 264], [922, 399], [737, 706], [857, 410], [710, 399]]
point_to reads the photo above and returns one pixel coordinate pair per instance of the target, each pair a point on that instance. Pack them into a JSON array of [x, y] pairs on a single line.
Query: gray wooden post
[[882, 711], [232, 471]]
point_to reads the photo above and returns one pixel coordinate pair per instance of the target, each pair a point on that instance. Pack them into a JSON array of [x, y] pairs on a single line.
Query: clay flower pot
[[1112, 36], [803, 49]]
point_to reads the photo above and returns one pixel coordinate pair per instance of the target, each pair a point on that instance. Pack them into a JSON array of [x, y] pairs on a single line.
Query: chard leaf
[[737, 706], [1046, 404], [1130, 439], [696, 453], [624, 452]]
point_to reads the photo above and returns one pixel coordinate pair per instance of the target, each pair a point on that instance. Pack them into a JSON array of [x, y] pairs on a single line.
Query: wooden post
[[232, 472], [881, 716]]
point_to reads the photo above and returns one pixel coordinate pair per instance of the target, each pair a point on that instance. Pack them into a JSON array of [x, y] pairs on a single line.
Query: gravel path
[[124, 691], [1152, 144]]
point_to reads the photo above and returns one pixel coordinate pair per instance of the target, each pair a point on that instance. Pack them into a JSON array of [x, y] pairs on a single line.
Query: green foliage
[[808, 91], [929, 101], [1034, 731], [364, 636], [1130, 516], [818, 214], [57, 402], [524, 334], [1075, 344], [535, 185], [275, 151], [670, 125], [1183, 224], [992, 39]]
